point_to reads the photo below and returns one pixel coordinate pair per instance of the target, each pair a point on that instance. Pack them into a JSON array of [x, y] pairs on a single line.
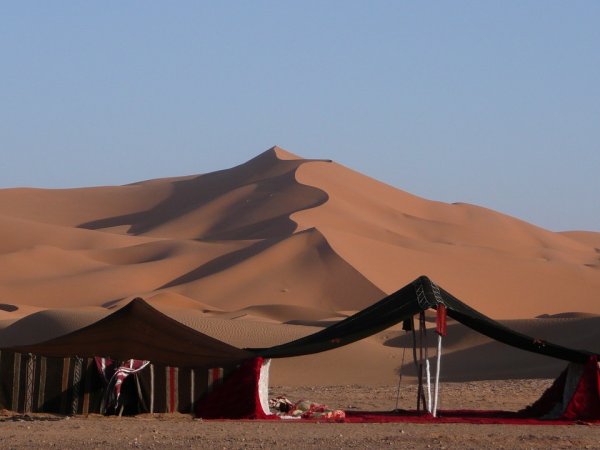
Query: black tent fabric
[[466, 315], [59, 374], [402, 305], [31, 383], [391, 310], [139, 331], [73, 385]]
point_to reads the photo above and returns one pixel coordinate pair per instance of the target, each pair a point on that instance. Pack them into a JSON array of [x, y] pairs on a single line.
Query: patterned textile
[[574, 395], [238, 396], [305, 409], [309, 410], [281, 405], [115, 375], [441, 320], [30, 383], [166, 389]]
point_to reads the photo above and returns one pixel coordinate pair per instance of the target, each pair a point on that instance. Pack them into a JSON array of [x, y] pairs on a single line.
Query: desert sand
[[179, 431], [278, 248]]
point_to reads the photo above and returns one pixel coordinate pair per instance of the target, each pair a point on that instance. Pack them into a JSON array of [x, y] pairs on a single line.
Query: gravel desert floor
[[179, 431]]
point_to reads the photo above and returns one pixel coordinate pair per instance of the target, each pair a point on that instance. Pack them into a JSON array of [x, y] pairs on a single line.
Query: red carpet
[[455, 416]]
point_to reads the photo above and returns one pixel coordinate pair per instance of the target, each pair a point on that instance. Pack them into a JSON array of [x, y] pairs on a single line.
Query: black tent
[[564, 400], [402, 305], [61, 375], [138, 331]]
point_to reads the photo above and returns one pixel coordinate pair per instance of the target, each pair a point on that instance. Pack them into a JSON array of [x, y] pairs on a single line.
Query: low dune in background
[[279, 247]]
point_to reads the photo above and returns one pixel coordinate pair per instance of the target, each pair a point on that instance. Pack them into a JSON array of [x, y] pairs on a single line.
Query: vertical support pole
[[418, 367], [428, 372], [30, 382], [192, 394], [437, 375], [441, 328], [151, 388], [423, 358], [76, 387]]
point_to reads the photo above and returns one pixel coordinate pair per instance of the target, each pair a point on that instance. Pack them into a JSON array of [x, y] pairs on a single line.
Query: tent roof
[[418, 296], [137, 330]]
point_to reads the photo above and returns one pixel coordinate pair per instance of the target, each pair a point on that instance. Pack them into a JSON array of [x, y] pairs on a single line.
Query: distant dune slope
[[590, 238], [280, 229], [250, 201], [499, 264], [302, 269], [276, 239]]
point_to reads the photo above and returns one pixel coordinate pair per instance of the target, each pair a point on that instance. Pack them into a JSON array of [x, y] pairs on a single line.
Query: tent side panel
[[165, 389], [51, 397], [6, 379], [91, 389], [237, 397], [30, 383], [184, 384], [574, 395], [585, 401], [69, 386], [200, 384], [550, 403]]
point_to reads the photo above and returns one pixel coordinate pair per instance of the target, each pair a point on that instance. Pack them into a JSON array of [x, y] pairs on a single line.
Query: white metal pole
[[437, 376], [428, 385]]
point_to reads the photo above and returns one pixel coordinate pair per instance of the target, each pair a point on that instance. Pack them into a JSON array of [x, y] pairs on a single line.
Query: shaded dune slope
[[198, 227], [273, 248], [471, 356], [48, 324], [499, 264], [199, 235], [301, 269], [251, 201]]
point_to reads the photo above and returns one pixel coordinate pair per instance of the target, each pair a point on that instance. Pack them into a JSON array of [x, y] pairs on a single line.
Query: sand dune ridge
[[285, 242]]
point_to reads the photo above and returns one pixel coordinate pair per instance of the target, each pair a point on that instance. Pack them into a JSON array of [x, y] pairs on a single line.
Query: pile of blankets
[[304, 409]]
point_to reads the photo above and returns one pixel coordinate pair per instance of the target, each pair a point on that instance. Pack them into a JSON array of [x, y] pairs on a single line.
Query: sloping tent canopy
[[402, 305], [139, 331], [575, 395]]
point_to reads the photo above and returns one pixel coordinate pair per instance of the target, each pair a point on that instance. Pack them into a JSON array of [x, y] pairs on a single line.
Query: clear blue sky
[[492, 103]]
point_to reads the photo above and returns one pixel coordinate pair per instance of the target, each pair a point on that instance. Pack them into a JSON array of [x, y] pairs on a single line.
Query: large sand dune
[[278, 246]]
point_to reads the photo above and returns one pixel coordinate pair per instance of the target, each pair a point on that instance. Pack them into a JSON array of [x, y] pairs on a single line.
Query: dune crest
[[254, 228], [279, 246], [499, 264], [251, 201]]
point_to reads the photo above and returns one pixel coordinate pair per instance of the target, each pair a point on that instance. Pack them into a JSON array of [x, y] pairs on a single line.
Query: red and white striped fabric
[[115, 375]]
